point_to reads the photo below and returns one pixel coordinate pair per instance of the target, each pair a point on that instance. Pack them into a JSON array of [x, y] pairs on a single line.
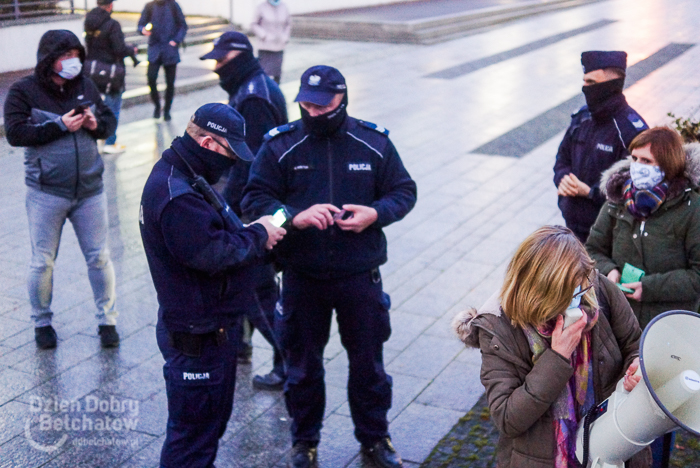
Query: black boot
[[383, 454], [303, 455], [166, 110], [45, 337], [156, 112], [108, 336]]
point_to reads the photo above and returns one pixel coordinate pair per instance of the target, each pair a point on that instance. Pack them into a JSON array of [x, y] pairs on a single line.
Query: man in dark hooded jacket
[[104, 41], [598, 136], [261, 103], [58, 115], [164, 24]]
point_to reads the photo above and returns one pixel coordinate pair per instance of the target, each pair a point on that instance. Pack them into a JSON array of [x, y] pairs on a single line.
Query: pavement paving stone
[[456, 375], [425, 357], [147, 457]]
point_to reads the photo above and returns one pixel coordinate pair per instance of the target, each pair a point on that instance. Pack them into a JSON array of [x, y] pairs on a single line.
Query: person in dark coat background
[[104, 41], [58, 115], [164, 24], [598, 136], [261, 103]]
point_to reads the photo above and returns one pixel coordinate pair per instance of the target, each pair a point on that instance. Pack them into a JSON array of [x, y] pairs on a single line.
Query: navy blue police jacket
[[358, 165], [261, 103], [199, 260], [589, 147]]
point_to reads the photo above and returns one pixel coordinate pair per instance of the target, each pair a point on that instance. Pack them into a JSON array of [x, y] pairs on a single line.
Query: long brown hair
[[543, 274]]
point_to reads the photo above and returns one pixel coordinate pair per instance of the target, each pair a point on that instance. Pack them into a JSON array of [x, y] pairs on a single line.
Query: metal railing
[[23, 9]]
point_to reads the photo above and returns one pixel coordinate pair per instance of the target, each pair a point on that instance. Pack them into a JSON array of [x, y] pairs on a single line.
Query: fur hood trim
[[462, 323], [614, 178]]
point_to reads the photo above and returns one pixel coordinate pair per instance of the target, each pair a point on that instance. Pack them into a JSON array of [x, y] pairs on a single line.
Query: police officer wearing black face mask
[[201, 258], [261, 103], [342, 181], [599, 135]]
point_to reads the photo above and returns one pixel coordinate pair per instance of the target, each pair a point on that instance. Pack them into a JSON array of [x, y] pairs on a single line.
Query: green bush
[[689, 129]]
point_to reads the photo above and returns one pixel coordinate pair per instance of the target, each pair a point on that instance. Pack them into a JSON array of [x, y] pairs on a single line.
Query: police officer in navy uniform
[[341, 180], [599, 135], [200, 256], [261, 103]]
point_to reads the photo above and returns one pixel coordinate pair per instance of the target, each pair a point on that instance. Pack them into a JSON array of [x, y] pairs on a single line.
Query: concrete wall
[[241, 11], [19, 43]]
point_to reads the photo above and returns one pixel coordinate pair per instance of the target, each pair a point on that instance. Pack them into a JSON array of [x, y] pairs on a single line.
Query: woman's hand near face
[[565, 342], [631, 380]]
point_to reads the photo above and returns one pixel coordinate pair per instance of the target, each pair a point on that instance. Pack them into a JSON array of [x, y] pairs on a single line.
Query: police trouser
[[262, 314], [200, 377], [304, 322]]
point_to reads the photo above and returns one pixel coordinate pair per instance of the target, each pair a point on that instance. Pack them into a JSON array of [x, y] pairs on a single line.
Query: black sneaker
[[383, 454], [45, 337], [166, 116], [272, 381], [156, 113], [108, 336], [303, 456]]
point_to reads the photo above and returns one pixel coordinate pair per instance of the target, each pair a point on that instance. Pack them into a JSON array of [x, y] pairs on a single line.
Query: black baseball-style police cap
[[320, 84], [226, 122], [228, 41], [598, 60]]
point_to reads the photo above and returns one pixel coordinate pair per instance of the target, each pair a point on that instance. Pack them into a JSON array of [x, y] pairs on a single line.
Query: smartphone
[[82, 107], [625, 289], [279, 218], [572, 316], [342, 214]]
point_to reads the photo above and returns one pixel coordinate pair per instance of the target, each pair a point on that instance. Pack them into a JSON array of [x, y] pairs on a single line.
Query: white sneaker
[[114, 149]]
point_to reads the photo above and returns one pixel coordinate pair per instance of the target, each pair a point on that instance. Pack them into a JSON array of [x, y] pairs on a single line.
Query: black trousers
[[152, 75], [304, 320]]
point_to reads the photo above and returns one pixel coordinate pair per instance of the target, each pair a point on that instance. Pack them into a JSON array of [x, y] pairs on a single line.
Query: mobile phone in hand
[[82, 107], [279, 217], [625, 288], [342, 214]]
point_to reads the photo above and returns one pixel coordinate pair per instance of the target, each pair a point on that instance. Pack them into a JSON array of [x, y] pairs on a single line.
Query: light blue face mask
[[576, 301], [273, 2], [71, 68], [644, 176]]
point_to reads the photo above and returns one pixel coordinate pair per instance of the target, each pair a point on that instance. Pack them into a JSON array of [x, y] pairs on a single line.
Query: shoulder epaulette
[[374, 127], [637, 122], [279, 130], [580, 111]]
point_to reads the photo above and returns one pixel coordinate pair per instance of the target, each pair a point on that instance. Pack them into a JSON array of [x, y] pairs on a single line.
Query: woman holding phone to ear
[[652, 222], [541, 378]]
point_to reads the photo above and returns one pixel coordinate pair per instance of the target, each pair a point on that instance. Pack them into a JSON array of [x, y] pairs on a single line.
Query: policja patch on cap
[[320, 84], [599, 60], [228, 41], [224, 121]]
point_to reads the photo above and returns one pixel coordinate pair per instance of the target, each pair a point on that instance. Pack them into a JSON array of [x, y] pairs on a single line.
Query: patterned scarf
[[578, 396], [641, 203]]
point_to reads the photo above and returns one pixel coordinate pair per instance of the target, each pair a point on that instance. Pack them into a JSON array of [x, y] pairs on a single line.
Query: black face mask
[[599, 94], [326, 124], [215, 164]]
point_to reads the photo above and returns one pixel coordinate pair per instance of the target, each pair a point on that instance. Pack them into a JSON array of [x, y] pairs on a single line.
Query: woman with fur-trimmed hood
[[541, 378], [652, 222]]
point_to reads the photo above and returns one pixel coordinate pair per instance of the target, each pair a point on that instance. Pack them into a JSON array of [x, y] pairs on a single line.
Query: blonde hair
[[543, 274]]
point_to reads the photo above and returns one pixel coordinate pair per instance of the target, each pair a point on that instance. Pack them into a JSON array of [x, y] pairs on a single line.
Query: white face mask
[[644, 176], [71, 68]]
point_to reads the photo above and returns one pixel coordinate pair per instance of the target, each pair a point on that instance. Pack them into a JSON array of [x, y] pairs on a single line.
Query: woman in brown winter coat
[[540, 377]]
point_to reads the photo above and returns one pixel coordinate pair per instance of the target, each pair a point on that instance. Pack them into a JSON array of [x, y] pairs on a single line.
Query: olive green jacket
[[666, 245]]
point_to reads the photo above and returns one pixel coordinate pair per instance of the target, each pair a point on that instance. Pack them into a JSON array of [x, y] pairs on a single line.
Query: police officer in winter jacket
[[104, 41], [58, 116], [341, 180], [200, 256], [598, 136], [164, 24], [261, 103]]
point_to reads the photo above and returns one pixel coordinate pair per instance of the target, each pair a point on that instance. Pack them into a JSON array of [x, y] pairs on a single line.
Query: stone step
[[427, 30]]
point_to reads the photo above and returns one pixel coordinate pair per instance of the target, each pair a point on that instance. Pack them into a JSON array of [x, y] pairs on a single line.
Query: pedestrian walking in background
[[261, 103], [201, 259], [597, 137], [541, 378], [164, 24], [57, 115], [106, 49], [272, 26], [341, 180]]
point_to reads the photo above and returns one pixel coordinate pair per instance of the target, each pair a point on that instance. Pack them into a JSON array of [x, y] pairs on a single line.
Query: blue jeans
[[47, 214], [114, 102]]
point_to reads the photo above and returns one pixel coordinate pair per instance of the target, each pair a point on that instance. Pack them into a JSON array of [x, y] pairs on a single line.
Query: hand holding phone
[[343, 215]]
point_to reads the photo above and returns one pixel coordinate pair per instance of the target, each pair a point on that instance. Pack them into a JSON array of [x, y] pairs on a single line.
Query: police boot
[[303, 455], [383, 454]]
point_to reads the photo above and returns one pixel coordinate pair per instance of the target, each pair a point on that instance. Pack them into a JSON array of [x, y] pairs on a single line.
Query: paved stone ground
[[450, 252]]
